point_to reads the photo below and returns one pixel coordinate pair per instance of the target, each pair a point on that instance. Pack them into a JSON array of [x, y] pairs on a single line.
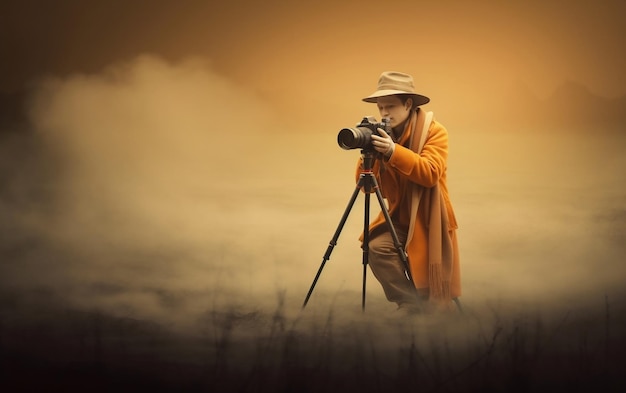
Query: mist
[[162, 190], [165, 188]]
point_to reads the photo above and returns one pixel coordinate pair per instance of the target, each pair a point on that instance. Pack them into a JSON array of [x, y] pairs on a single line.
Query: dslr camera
[[360, 137]]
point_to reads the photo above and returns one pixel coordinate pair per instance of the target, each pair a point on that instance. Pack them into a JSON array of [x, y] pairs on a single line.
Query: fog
[[162, 190]]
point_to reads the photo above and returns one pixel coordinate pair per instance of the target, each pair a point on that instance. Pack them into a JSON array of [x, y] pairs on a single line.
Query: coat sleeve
[[428, 166]]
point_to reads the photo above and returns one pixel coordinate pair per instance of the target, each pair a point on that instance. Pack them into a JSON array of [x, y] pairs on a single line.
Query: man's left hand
[[383, 143]]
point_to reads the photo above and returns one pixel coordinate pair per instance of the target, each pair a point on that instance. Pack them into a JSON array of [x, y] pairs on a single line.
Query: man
[[411, 173]]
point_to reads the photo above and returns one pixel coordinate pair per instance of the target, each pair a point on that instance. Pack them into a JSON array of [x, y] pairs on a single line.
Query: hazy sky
[[192, 146], [329, 53]]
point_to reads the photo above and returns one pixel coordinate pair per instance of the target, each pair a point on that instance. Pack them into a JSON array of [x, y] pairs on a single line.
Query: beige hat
[[392, 83]]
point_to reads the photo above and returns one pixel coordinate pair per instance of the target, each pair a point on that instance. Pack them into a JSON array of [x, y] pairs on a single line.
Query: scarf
[[440, 247]]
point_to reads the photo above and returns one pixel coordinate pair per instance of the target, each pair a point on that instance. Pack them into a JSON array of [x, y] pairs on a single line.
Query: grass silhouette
[[46, 347]]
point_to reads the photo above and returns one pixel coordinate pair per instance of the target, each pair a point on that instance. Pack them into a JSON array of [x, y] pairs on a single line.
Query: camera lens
[[354, 138], [347, 138]]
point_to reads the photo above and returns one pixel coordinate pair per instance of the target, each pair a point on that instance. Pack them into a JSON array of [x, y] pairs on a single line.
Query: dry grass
[[45, 347]]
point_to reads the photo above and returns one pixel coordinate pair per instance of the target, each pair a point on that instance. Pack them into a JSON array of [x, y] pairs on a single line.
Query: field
[[241, 348], [135, 257]]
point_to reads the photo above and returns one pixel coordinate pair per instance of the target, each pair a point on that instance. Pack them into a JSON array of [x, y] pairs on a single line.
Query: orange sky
[[324, 49]]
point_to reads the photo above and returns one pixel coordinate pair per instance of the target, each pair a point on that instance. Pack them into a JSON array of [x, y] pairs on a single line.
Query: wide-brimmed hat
[[392, 83]]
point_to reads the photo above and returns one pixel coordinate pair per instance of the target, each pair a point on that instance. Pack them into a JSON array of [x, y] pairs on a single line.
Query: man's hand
[[383, 143]]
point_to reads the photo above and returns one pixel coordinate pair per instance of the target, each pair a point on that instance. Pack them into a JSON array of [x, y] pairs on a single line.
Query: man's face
[[392, 108]]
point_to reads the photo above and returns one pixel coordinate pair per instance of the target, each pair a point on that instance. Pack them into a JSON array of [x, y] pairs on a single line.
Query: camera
[[360, 137]]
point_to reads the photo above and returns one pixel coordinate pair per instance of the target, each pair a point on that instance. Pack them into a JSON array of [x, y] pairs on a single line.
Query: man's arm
[[427, 167]]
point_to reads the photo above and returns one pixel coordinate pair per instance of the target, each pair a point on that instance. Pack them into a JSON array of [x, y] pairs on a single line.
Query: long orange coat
[[396, 177]]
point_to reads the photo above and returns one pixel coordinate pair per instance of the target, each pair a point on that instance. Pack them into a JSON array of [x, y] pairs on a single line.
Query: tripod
[[367, 181]]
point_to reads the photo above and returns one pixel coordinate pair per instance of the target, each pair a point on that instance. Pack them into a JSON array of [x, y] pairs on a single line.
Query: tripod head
[[368, 156]]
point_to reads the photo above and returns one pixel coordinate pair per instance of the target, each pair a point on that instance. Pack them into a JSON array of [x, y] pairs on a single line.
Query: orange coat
[[396, 177]]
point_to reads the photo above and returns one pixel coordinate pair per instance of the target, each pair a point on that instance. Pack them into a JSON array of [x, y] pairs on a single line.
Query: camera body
[[360, 137]]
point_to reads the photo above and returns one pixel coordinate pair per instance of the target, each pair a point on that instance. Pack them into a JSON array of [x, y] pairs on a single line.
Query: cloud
[[147, 150]]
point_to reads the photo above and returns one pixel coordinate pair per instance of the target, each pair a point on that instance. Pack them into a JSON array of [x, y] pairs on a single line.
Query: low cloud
[[157, 186]]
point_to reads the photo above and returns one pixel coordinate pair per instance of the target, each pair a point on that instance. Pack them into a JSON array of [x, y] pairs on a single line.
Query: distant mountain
[[571, 106]]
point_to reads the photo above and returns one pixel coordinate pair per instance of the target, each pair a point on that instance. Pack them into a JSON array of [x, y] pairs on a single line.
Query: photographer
[[411, 173]]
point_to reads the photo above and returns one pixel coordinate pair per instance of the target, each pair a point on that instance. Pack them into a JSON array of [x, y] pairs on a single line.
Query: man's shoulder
[[437, 133], [437, 127]]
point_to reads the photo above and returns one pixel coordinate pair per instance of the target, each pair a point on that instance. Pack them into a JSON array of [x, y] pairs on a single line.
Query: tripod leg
[[366, 241], [333, 241], [401, 252]]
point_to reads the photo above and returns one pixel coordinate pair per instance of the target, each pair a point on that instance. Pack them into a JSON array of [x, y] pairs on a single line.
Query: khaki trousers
[[388, 269]]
